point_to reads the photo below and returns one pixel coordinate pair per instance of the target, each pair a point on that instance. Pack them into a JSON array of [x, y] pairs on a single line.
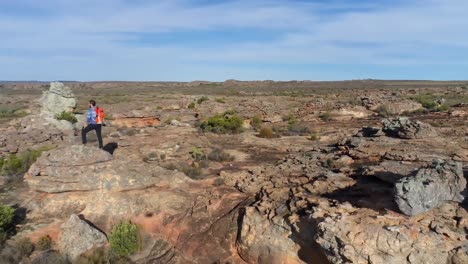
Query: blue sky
[[184, 40]]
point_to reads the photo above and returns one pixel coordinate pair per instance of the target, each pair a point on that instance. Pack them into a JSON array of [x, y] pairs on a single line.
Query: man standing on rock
[[94, 122]]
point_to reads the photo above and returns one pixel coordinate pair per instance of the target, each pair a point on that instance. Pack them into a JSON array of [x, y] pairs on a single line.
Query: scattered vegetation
[[420, 111], [191, 105], [198, 154], [19, 164], [383, 111], [202, 99], [267, 132], [426, 100], [68, 116], [6, 217], [220, 100], [257, 122], [220, 155], [193, 171], [290, 118], [327, 116], [25, 246], [225, 123], [315, 135], [125, 239], [9, 112], [44, 243]]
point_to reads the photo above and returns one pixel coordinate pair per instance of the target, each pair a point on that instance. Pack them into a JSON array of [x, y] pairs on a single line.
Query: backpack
[[99, 115]]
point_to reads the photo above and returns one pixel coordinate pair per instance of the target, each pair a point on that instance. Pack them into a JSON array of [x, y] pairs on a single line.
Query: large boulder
[[431, 187], [79, 237], [59, 98], [402, 127]]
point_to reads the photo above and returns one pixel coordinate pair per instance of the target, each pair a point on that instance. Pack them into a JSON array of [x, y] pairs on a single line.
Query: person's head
[[92, 103]]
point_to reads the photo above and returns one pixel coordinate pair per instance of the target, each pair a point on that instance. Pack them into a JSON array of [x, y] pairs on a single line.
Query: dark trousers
[[97, 127]]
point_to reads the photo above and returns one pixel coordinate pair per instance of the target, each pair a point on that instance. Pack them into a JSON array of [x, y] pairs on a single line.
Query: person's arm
[[89, 116]]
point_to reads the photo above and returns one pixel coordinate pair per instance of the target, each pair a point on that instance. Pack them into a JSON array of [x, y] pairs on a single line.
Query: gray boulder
[[402, 127], [79, 237], [57, 99], [430, 188]]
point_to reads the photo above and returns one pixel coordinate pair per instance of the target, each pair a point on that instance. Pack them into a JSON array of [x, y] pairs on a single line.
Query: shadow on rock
[[303, 234], [110, 147], [368, 192]]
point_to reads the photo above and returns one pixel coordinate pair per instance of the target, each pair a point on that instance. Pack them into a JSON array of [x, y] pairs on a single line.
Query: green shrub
[[327, 116], [6, 216], [266, 132], [257, 122], [383, 111], [222, 124], [125, 239], [19, 164], [44, 243], [191, 105], [220, 100], [202, 99], [443, 108], [315, 135], [25, 246], [193, 171], [8, 112], [230, 112], [68, 116], [220, 155], [198, 154], [427, 101]]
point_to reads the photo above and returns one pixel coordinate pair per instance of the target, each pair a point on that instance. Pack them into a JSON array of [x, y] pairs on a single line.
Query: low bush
[[68, 116], [443, 108], [315, 135], [220, 155], [327, 116], [202, 99], [25, 246], [19, 164], [6, 218], [257, 122], [383, 111], [191, 105], [267, 132], [193, 171], [426, 100], [125, 239], [6, 112], [198, 154], [44, 243], [223, 124], [220, 100]]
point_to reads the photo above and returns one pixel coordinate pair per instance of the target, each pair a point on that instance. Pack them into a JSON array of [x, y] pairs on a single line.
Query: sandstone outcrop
[[78, 237], [195, 219]]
